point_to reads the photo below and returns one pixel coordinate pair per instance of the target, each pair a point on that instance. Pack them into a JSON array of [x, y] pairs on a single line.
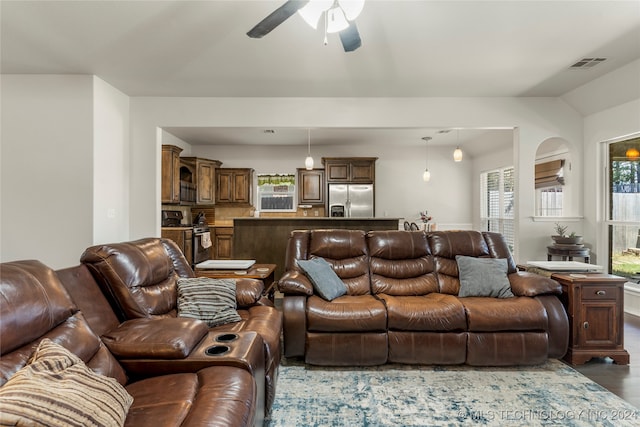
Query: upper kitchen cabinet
[[203, 179], [234, 185], [311, 187], [350, 169], [171, 174]]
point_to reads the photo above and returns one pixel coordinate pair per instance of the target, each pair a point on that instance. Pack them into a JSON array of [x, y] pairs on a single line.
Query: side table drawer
[[599, 293]]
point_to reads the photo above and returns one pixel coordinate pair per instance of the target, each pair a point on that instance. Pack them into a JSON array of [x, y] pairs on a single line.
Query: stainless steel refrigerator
[[351, 200]]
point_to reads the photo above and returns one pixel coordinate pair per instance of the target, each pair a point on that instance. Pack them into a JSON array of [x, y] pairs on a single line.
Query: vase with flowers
[[424, 217]]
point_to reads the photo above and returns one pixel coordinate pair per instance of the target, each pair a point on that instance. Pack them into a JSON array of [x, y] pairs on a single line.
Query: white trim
[[557, 218]]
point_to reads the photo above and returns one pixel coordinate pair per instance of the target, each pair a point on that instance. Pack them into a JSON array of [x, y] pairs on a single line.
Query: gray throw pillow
[[325, 281], [483, 277], [210, 300]]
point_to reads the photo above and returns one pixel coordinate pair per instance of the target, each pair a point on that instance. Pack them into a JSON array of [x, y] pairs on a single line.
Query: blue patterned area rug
[[552, 394]]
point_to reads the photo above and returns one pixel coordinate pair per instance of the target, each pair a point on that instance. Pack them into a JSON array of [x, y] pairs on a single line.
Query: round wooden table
[[568, 253]]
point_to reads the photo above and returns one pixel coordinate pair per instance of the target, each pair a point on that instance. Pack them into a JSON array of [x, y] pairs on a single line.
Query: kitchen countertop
[[315, 218]]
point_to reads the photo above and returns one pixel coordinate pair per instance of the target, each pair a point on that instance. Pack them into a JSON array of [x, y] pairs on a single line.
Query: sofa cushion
[[483, 277], [348, 313], [432, 312], [210, 300], [57, 388], [326, 282], [510, 314], [218, 395]]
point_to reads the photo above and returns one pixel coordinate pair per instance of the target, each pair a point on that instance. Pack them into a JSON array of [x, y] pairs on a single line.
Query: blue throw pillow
[[483, 277], [325, 281]]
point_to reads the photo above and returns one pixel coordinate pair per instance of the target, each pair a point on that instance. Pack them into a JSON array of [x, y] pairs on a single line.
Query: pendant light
[[457, 153], [426, 175], [308, 162]]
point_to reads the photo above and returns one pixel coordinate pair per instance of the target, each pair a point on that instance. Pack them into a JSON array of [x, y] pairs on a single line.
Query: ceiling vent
[[586, 63]]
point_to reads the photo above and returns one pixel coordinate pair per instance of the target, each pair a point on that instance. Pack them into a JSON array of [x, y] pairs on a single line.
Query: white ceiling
[[409, 49]]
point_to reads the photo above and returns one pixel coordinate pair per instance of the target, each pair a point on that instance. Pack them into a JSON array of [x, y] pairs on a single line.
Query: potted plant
[[562, 238]]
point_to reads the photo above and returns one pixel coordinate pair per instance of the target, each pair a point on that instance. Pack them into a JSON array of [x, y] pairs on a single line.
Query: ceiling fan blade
[[276, 18], [350, 38]]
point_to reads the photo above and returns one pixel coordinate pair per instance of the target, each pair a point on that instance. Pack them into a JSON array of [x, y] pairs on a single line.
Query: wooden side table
[[595, 306], [568, 253], [264, 272]]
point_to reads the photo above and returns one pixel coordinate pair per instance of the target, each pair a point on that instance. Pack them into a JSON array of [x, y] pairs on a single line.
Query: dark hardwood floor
[[621, 380]]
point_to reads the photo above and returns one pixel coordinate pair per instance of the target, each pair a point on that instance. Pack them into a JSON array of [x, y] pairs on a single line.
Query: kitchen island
[[265, 239]]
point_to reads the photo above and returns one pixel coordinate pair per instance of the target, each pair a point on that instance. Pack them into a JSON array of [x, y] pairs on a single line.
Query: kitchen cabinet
[[223, 243], [183, 237], [204, 178], [359, 170], [170, 174], [595, 306], [311, 187], [234, 186]]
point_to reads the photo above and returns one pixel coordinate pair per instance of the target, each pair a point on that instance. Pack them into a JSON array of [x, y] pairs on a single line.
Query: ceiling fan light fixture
[[351, 8], [313, 10], [336, 20]]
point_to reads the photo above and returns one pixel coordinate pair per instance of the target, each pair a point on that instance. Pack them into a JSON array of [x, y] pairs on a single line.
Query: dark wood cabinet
[[223, 243], [311, 187], [350, 169], [204, 178], [595, 306], [234, 185], [170, 174], [183, 236]]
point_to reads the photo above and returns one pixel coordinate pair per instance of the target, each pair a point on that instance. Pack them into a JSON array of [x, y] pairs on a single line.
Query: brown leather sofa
[[401, 304], [35, 305], [139, 279]]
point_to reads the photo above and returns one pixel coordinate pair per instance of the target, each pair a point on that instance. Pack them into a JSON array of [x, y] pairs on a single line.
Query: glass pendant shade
[[426, 176], [308, 163], [457, 155]]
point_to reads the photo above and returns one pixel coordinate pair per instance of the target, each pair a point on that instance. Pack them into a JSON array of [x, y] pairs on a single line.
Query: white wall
[[606, 125], [400, 190], [535, 120], [111, 164], [613, 112], [47, 168]]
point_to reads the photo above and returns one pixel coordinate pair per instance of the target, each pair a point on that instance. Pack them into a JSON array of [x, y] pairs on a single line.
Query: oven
[[202, 244], [193, 240]]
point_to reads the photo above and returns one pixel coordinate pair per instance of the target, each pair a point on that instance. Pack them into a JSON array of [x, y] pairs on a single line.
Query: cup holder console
[[227, 337], [217, 350]]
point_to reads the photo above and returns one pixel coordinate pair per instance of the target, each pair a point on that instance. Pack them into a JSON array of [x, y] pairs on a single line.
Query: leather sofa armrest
[[295, 283], [248, 292], [525, 284], [163, 338]]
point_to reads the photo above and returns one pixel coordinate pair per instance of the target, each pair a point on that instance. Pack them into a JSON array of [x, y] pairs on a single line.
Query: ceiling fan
[[339, 17]]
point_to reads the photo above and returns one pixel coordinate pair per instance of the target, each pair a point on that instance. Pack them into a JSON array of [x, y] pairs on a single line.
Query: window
[[549, 182], [624, 208], [497, 198], [550, 201], [276, 192]]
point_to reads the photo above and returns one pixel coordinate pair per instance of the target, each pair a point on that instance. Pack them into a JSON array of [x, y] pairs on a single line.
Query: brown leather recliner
[[414, 282], [140, 280], [34, 305]]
